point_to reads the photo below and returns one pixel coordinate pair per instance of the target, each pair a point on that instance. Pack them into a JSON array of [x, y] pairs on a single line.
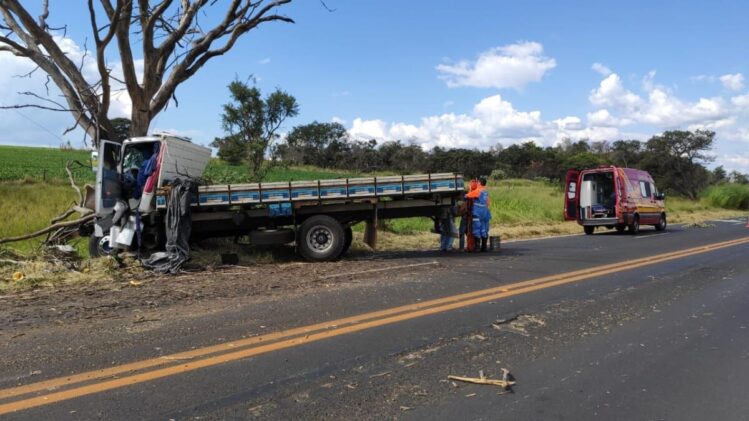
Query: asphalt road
[[609, 326]]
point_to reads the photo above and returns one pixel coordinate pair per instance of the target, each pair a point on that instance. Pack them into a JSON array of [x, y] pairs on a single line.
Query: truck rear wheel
[[321, 238], [589, 229]]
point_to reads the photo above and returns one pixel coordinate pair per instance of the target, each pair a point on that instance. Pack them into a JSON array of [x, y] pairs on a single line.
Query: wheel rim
[[320, 239], [104, 246], [663, 223]]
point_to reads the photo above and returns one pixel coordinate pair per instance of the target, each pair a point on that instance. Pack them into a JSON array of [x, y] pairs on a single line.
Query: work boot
[[483, 243]]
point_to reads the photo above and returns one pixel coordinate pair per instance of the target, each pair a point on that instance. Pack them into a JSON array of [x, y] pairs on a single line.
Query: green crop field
[[27, 163], [22, 162]]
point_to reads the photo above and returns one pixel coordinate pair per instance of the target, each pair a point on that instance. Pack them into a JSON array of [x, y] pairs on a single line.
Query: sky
[[460, 74]]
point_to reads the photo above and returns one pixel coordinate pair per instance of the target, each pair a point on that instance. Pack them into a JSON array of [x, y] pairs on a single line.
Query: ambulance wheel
[[589, 229], [634, 227], [321, 238], [99, 246], [620, 228], [661, 223]]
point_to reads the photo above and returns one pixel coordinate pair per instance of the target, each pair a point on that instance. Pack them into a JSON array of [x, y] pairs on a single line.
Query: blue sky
[[473, 73]]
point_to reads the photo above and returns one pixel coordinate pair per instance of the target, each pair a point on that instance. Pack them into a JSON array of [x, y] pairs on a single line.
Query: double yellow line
[[70, 387]]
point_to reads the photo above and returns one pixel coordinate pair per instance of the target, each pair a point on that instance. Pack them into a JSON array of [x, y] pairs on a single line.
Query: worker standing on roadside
[[481, 213], [463, 213], [447, 228], [470, 239]]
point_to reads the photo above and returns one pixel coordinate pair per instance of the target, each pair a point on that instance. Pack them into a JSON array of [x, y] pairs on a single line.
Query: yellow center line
[[312, 333]]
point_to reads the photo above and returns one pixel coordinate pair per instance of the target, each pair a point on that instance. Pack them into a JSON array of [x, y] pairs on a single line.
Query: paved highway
[[609, 326]]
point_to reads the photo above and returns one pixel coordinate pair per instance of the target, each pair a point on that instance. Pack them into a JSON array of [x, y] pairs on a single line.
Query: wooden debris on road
[[506, 382]]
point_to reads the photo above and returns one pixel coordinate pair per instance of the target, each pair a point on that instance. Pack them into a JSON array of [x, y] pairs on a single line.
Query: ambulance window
[[572, 190], [644, 189]]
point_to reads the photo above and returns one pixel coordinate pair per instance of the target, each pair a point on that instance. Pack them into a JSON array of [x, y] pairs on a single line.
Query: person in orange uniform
[[481, 215], [467, 218]]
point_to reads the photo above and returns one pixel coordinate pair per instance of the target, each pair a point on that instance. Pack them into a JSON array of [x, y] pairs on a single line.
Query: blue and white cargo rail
[[320, 190], [316, 216]]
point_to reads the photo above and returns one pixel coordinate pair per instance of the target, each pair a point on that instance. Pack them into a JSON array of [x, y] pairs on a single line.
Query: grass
[[28, 206], [728, 196]]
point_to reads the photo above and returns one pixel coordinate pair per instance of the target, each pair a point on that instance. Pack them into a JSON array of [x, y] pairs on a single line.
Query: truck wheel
[[321, 238], [662, 223], [634, 228], [349, 237], [589, 229], [270, 237], [98, 246], [620, 228]]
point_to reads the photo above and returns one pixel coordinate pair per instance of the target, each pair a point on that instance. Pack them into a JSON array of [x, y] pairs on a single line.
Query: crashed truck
[[134, 178]]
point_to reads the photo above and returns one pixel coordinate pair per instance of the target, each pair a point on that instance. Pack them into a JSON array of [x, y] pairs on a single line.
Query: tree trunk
[[141, 120]]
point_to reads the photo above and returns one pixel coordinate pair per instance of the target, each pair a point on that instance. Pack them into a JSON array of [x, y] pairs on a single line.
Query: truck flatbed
[[322, 191]]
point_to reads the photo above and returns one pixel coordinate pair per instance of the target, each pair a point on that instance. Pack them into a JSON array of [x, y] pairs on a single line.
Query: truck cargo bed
[[418, 185]]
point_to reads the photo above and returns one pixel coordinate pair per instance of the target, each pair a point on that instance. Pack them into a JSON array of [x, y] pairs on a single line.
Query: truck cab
[[128, 175], [615, 198]]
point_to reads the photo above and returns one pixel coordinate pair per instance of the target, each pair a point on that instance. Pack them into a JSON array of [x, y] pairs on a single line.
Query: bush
[[498, 175], [728, 196]]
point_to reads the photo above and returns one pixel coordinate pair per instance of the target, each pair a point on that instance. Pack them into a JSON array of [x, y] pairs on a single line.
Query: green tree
[[321, 144], [121, 127], [675, 158], [719, 175], [251, 124]]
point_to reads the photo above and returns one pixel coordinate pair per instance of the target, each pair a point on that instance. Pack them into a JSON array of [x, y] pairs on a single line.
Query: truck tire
[[270, 237], [589, 229], [321, 239], [98, 246], [662, 223], [634, 227], [620, 228]]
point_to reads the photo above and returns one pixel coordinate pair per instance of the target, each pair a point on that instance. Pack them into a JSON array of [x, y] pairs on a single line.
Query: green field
[[22, 162]]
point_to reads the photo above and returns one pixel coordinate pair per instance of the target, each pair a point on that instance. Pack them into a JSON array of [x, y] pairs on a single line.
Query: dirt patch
[[144, 292]]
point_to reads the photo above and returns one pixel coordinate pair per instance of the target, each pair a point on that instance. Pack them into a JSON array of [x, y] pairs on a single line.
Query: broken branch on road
[[506, 382]]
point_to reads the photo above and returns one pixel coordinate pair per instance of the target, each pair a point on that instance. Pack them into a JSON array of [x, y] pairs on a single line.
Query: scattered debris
[[506, 382], [136, 283], [384, 373], [518, 324], [698, 225], [406, 408], [470, 395], [18, 276]]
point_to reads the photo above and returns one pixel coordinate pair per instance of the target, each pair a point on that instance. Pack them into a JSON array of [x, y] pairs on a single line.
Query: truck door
[[108, 187], [572, 196]]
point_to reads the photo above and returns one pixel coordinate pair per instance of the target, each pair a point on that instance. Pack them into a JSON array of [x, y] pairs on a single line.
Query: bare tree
[[173, 46]]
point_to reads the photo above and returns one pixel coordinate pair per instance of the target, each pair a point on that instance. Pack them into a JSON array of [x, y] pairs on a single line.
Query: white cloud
[[738, 162], [492, 120], [602, 69], [509, 66], [734, 82], [741, 101], [336, 119], [660, 108], [611, 93], [264, 61]]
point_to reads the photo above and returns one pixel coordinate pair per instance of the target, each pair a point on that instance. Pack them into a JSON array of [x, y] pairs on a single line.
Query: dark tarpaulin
[[178, 229]]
